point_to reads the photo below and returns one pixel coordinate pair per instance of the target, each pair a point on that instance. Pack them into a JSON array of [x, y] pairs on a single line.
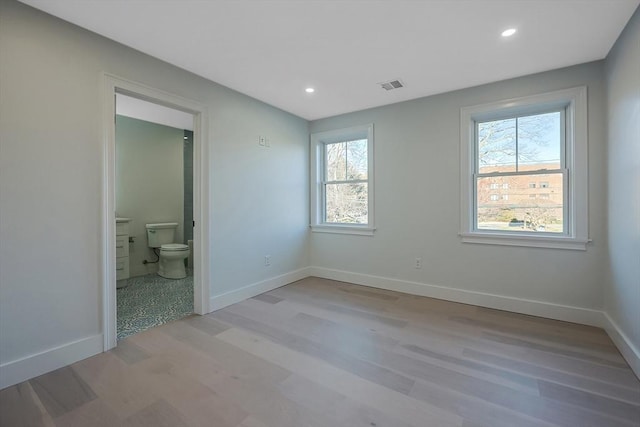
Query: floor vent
[[393, 84]]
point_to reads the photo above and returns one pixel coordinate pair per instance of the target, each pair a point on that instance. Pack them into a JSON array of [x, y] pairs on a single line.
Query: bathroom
[[154, 201]]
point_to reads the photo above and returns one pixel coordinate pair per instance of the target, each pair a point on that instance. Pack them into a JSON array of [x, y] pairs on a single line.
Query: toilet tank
[[160, 234]]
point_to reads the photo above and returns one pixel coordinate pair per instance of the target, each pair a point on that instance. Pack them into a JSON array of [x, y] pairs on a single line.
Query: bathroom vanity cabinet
[[122, 248]]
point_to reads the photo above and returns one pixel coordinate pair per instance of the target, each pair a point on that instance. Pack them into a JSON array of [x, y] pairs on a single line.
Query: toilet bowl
[[171, 264], [171, 255]]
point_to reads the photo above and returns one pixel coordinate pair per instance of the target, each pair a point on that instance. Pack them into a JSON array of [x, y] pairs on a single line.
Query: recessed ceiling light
[[309, 90], [509, 32]]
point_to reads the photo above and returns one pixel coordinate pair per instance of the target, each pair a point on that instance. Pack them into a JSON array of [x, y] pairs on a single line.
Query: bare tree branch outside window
[[345, 189], [519, 180]]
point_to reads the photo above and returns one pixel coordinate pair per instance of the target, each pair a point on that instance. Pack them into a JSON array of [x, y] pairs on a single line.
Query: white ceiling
[[273, 50]]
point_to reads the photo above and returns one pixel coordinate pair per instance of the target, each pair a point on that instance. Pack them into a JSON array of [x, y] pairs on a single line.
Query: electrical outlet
[[418, 263], [267, 260], [263, 141]]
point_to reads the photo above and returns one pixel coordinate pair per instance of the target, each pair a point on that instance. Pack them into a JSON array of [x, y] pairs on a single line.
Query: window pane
[[346, 203], [497, 146], [518, 206], [539, 142], [357, 159], [336, 159]]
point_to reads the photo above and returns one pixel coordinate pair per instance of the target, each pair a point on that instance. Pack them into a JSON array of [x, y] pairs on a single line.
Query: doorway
[[154, 215], [115, 222]]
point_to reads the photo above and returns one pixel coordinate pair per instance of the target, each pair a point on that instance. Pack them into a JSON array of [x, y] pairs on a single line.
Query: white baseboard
[[223, 300], [31, 366], [567, 313], [629, 351], [37, 364], [584, 316]]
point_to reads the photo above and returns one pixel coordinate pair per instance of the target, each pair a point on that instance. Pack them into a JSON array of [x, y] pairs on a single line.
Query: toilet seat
[[174, 247]]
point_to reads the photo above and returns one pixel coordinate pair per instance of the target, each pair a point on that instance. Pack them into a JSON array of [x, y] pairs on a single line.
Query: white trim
[[223, 300], [548, 310], [36, 364], [108, 247], [576, 161], [629, 351], [343, 229], [567, 313], [31, 366], [316, 152], [110, 86], [528, 240]]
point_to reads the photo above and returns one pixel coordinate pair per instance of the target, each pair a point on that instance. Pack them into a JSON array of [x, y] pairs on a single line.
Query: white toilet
[[172, 255]]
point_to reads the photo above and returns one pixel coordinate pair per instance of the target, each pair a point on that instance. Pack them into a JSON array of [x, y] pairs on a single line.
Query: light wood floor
[[322, 353]]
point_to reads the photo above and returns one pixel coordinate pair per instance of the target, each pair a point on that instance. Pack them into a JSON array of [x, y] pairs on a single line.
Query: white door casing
[[201, 200]]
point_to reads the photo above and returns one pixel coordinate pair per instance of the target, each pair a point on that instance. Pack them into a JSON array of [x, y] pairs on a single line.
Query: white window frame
[[317, 163], [574, 103]]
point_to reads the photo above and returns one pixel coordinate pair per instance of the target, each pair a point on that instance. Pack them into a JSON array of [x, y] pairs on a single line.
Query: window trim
[[574, 101], [318, 141]]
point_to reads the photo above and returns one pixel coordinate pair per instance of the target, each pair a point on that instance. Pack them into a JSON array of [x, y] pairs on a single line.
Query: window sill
[[550, 242], [343, 229]]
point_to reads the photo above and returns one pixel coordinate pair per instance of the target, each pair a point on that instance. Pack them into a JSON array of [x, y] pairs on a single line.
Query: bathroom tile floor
[[151, 300]]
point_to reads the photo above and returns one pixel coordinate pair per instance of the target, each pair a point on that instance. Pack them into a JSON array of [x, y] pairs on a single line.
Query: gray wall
[[51, 173], [50, 187], [417, 168], [149, 183], [622, 285]]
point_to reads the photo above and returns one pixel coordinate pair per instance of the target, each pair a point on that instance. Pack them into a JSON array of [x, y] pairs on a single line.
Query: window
[[345, 182], [342, 181], [519, 149], [515, 144]]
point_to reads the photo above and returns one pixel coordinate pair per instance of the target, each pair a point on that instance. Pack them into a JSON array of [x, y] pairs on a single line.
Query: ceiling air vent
[[393, 84]]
